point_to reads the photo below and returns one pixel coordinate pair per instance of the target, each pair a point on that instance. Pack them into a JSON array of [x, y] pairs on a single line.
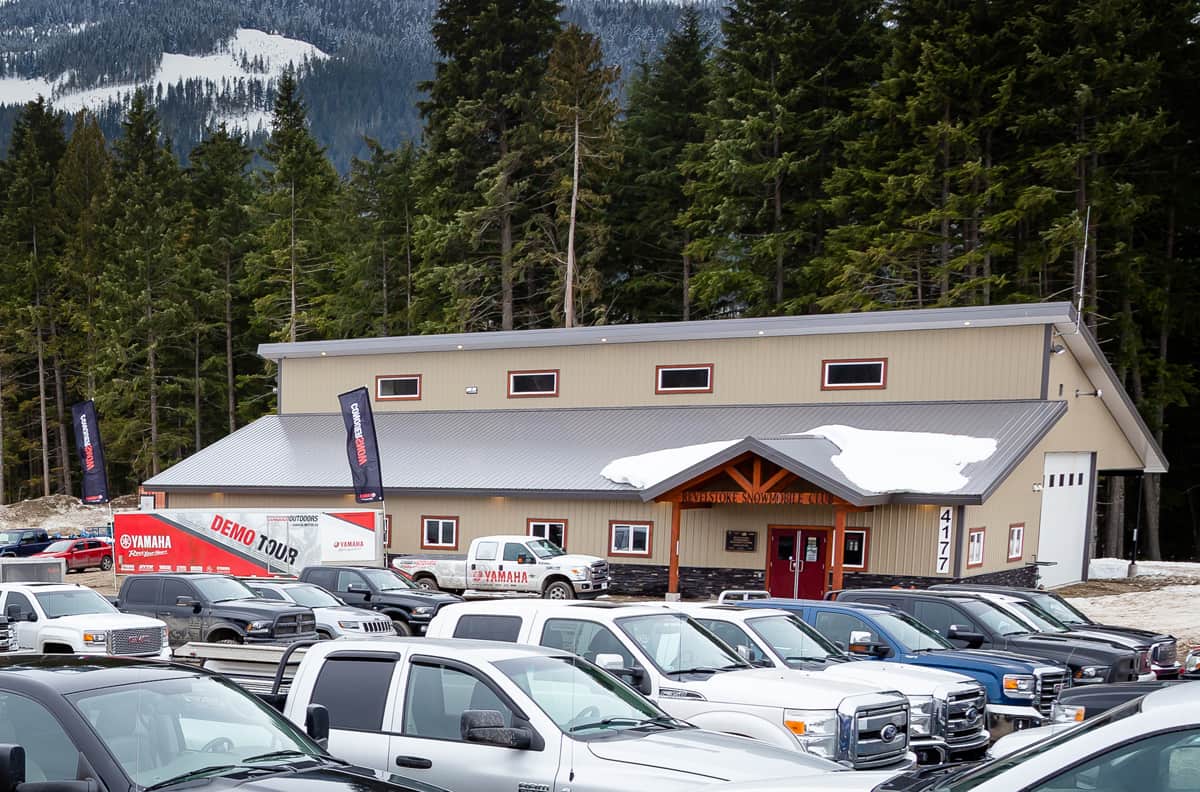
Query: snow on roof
[[645, 470]]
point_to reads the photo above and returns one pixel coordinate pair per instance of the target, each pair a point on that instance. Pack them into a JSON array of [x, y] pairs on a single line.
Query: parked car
[[948, 711], [1163, 653], [18, 543], [473, 715], [692, 675], [410, 607], [969, 621], [80, 554], [511, 563], [65, 618], [73, 724], [335, 619], [214, 608], [1020, 689]]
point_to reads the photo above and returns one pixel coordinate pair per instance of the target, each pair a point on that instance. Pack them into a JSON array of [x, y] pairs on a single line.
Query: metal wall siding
[[1088, 424], [1014, 501], [903, 540], [923, 365]]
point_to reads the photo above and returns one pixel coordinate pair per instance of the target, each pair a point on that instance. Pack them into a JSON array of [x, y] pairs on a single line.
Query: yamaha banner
[[362, 448], [91, 452]]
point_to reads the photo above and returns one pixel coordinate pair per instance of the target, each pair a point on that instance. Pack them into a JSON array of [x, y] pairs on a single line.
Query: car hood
[[256, 609], [415, 597], [848, 781], [706, 753], [1067, 649], [57, 554], [778, 687], [1145, 636], [977, 660], [911, 680], [346, 613], [105, 621], [1015, 741], [573, 560], [1109, 640], [327, 778]]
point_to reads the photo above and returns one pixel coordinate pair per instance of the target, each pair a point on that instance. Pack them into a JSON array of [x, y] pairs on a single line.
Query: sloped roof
[[560, 452]]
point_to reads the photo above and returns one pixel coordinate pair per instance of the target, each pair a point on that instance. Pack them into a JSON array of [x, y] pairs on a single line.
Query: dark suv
[[971, 622], [215, 609], [409, 606]]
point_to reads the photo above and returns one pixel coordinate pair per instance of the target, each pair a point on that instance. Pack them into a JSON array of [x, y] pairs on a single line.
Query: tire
[[324, 635], [427, 583], [106, 563], [558, 590], [402, 628], [226, 637]]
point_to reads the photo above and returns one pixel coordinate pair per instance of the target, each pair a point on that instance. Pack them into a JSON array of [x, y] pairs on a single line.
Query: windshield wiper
[[289, 754], [805, 658], [665, 721], [202, 772]]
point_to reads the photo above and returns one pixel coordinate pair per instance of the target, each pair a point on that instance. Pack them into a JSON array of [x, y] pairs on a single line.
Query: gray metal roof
[[814, 324], [560, 452]]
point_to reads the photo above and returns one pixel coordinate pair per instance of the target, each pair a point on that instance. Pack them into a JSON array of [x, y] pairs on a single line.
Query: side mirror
[[185, 601], [12, 767], [973, 640], [487, 727], [355, 588], [610, 662], [316, 724], [13, 612], [871, 649], [743, 652], [861, 637]]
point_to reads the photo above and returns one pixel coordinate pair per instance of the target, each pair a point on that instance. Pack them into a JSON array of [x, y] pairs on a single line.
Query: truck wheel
[[559, 590], [427, 583], [106, 563], [402, 628], [226, 638]]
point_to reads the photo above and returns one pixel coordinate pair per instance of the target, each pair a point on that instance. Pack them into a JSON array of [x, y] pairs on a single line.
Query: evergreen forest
[[795, 158]]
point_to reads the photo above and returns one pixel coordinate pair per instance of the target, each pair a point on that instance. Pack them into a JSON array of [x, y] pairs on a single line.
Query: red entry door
[[796, 563]]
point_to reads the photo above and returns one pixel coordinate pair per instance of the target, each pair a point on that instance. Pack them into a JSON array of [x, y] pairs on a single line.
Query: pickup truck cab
[[62, 618], [20, 542], [80, 554], [948, 711], [484, 715], [693, 675], [511, 564], [972, 622], [1020, 690], [215, 608], [1164, 659], [75, 724], [335, 619], [410, 607]]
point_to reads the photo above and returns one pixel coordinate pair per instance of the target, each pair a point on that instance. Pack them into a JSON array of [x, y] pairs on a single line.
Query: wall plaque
[[741, 541]]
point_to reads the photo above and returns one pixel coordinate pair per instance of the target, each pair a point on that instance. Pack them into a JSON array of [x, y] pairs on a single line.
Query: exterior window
[[553, 531], [349, 688], [526, 384], [398, 387], [1016, 541], [629, 539], [854, 548], [684, 379], [975, 547], [854, 374], [482, 627], [439, 533], [436, 696]]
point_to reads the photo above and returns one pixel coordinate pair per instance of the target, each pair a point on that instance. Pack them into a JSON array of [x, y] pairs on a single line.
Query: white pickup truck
[[63, 618], [692, 675], [510, 564], [474, 715]]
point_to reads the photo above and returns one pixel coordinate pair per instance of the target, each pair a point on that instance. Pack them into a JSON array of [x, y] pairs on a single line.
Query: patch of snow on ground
[[646, 470], [56, 514], [1170, 609], [882, 461], [1116, 569]]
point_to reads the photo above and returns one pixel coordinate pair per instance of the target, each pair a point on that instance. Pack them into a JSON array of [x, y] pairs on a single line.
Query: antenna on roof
[[1087, 221]]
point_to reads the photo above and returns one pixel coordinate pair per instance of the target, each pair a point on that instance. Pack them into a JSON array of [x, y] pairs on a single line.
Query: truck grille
[[599, 570], [1124, 670], [1165, 653], [288, 626], [8, 637], [379, 627], [142, 641], [1046, 687], [880, 736], [965, 717]]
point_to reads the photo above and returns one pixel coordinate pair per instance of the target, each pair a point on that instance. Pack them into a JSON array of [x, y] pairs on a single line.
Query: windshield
[[793, 640], [312, 597], [60, 546], [220, 589], [75, 602], [996, 767], [386, 580], [543, 549], [579, 697], [161, 729], [1060, 609], [10, 538], [910, 633], [678, 645], [993, 617], [1043, 621]]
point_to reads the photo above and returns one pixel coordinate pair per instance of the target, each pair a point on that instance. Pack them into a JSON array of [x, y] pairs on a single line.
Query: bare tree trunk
[[3, 457], [407, 272], [1153, 481], [987, 254], [41, 366], [292, 257], [1114, 518], [687, 279], [196, 386], [506, 238], [152, 379], [60, 398], [944, 253], [230, 385], [777, 194], [569, 297]]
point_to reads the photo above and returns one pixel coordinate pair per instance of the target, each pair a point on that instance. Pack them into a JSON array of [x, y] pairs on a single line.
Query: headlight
[[350, 625], [1193, 662], [1090, 673], [425, 611], [95, 637], [258, 627], [166, 638], [577, 572], [1018, 685], [920, 717], [1064, 713], [815, 730]]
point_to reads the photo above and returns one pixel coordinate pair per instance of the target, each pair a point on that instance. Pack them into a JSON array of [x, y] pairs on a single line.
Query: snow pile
[[1168, 609], [646, 470], [56, 514], [882, 461], [1116, 569]]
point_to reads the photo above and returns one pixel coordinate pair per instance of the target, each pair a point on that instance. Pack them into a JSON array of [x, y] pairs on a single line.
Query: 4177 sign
[[945, 539]]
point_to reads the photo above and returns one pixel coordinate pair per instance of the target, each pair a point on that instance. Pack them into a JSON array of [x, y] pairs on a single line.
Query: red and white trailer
[[245, 542]]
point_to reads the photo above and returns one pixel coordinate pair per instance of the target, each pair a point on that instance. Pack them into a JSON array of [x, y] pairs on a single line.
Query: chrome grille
[[379, 627], [286, 626], [965, 716], [1046, 687], [872, 728], [599, 570], [142, 641], [8, 637], [1165, 653]]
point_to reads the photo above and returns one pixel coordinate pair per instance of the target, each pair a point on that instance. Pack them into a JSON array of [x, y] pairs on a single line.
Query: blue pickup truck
[[19, 542], [1020, 690]]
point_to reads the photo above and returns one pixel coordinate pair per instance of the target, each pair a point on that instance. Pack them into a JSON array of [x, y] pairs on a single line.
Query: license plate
[[1057, 688], [603, 585]]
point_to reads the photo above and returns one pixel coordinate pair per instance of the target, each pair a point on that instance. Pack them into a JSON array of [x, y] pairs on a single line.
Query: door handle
[[791, 565], [415, 762]]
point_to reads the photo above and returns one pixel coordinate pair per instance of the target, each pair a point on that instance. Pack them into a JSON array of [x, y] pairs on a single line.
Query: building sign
[[760, 498], [741, 541], [945, 539]]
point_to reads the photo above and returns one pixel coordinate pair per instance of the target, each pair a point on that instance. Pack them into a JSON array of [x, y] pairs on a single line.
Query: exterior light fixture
[[472, 390], [1057, 349]]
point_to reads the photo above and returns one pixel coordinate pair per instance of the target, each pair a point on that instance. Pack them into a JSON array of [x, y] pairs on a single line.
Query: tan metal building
[[792, 453]]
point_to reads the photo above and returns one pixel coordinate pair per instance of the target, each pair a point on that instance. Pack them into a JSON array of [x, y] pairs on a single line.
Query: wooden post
[[673, 579], [835, 552]]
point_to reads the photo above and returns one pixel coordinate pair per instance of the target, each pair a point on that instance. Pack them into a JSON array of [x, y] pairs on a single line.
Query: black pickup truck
[[97, 724], [16, 542], [409, 606], [214, 609]]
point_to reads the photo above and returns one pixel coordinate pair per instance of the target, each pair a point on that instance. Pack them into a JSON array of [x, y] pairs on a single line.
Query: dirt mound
[[55, 513], [1101, 588]]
